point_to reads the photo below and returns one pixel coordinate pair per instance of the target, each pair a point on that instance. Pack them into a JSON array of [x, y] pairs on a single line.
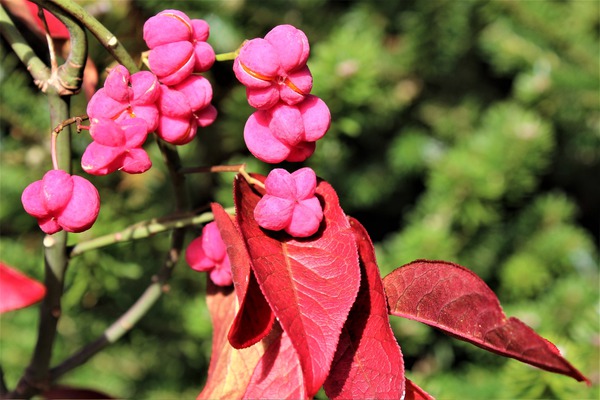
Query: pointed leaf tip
[[455, 300], [18, 290], [414, 392]]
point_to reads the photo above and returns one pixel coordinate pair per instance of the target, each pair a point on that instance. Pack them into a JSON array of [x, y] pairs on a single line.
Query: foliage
[[466, 131]]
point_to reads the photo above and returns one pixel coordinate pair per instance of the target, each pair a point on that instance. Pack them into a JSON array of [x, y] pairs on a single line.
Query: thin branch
[[68, 77], [51, 49], [250, 179], [239, 168], [104, 36], [123, 325], [212, 169], [54, 136], [78, 120], [53, 151], [143, 230], [173, 163]]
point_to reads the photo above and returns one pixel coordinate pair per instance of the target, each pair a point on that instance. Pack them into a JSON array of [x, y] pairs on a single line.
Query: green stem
[[227, 56], [213, 169], [36, 67], [231, 55], [143, 230], [125, 323], [69, 75], [250, 179], [104, 36], [36, 377]]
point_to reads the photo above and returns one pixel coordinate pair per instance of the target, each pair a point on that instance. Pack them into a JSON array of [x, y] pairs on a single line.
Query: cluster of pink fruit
[[169, 100], [173, 100], [286, 125], [288, 120]]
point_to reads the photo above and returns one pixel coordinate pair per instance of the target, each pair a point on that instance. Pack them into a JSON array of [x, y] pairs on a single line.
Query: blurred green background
[[467, 131]]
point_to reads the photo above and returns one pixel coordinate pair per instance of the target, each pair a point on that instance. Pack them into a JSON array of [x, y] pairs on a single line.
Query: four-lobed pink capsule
[[274, 69], [125, 96], [116, 147], [177, 46], [287, 132], [290, 203], [62, 201]]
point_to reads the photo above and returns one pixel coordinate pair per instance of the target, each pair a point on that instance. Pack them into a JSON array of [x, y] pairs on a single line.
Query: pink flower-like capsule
[[116, 146], [287, 132], [62, 201], [207, 253], [177, 46], [183, 108], [127, 96], [274, 68], [290, 203]]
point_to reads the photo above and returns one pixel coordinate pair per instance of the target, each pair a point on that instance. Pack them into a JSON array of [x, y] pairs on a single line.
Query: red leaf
[[278, 375], [236, 249], [452, 298], [253, 372], [368, 362], [230, 370], [309, 283], [413, 392], [57, 29], [255, 317], [254, 320], [18, 290]]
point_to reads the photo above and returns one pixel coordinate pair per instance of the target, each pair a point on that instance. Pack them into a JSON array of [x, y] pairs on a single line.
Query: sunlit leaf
[[230, 369], [368, 362], [309, 283], [455, 300], [254, 319]]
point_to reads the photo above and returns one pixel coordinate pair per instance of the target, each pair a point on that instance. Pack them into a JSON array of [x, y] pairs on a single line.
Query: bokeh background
[[467, 131]]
